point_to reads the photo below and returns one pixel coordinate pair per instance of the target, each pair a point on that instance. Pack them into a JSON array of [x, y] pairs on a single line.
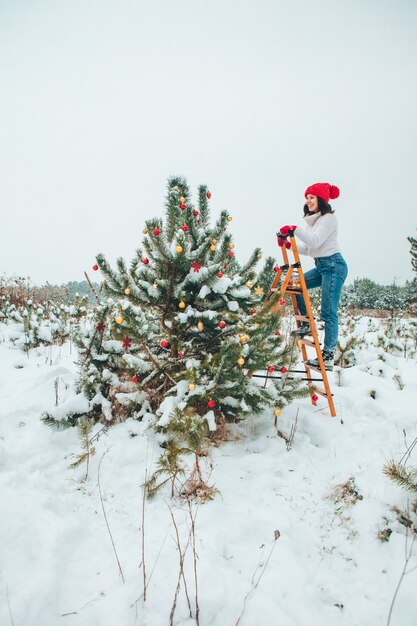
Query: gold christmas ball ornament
[[243, 338], [277, 412], [249, 284], [240, 361], [212, 247], [119, 320], [259, 256], [127, 291], [182, 199], [145, 231], [191, 387], [182, 304], [229, 218], [179, 249], [200, 326], [214, 241], [231, 245]]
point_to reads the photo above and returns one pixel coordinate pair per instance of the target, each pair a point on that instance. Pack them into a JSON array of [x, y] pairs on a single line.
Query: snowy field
[[277, 546]]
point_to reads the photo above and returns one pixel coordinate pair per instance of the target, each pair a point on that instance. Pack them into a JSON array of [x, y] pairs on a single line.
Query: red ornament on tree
[[211, 404], [195, 212], [278, 334], [282, 302], [145, 261], [183, 206], [253, 311], [180, 355], [231, 254], [164, 344], [156, 231], [101, 327], [219, 274], [208, 194], [95, 268], [283, 370], [184, 228], [126, 343], [196, 266], [271, 368], [135, 379], [314, 398], [222, 324], [276, 268]]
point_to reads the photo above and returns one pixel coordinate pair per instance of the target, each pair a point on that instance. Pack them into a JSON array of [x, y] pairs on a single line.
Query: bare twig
[[143, 535], [181, 571], [407, 558], [277, 535], [105, 517], [193, 518]]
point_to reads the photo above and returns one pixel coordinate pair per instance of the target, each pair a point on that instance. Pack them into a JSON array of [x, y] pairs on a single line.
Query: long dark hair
[[324, 207]]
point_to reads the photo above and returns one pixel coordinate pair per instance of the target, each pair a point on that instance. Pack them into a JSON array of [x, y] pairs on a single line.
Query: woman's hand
[[284, 230]]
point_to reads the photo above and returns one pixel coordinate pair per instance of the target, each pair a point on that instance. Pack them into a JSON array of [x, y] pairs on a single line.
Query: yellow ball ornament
[[200, 326], [243, 338], [145, 231], [214, 241], [231, 245], [277, 412], [179, 249], [182, 304], [240, 361], [191, 387], [119, 320], [249, 284], [212, 247], [127, 291], [229, 218]]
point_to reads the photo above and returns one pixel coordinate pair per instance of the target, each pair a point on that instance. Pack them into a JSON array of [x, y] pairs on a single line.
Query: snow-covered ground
[[326, 565]]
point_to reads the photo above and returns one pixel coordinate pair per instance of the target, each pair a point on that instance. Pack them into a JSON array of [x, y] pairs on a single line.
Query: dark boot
[[328, 358], [303, 329]]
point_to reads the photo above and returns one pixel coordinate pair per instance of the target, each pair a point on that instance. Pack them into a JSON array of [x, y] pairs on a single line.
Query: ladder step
[[302, 318], [307, 342], [321, 392], [293, 291]]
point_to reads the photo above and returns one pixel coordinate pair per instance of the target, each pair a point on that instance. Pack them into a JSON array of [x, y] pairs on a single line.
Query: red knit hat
[[325, 191]]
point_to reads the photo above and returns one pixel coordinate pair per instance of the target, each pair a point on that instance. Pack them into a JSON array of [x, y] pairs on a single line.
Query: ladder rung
[[295, 291], [316, 369], [307, 342], [302, 318], [321, 392]]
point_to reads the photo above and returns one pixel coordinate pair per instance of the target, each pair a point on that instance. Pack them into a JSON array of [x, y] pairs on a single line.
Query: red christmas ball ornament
[[276, 268], [195, 212], [314, 398], [101, 326], [183, 206], [253, 311], [283, 370], [145, 261], [95, 268], [180, 355], [208, 194], [164, 344], [211, 404], [222, 324], [184, 228], [278, 334], [282, 302], [231, 254], [156, 231], [196, 266], [271, 368], [219, 274], [135, 379]]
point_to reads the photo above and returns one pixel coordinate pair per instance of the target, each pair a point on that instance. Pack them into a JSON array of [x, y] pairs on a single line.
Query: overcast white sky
[[101, 101]]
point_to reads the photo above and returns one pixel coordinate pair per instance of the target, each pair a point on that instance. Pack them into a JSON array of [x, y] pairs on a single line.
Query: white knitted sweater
[[319, 235]]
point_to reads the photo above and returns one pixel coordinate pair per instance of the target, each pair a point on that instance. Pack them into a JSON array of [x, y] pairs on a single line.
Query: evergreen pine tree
[[196, 321], [413, 252]]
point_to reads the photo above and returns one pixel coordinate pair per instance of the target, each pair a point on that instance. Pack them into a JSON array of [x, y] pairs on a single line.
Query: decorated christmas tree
[[194, 323]]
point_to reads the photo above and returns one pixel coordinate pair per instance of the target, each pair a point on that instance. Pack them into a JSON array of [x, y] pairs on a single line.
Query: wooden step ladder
[[294, 283]]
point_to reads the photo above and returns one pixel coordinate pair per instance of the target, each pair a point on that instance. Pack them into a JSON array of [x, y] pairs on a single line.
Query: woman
[[319, 240]]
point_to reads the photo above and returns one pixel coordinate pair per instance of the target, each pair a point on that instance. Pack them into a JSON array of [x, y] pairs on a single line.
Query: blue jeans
[[329, 274]]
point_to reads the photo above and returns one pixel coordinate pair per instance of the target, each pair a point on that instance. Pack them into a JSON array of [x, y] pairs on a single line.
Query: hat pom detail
[[334, 192]]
